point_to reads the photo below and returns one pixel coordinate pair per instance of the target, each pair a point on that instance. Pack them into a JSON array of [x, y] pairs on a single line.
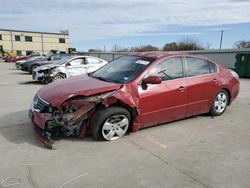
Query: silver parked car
[[67, 67]]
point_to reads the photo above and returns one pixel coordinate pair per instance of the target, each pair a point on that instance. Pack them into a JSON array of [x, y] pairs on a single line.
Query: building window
[[18, 52], [28, 38], [29, 52], [61, 40], [17, 38], [0, 37]]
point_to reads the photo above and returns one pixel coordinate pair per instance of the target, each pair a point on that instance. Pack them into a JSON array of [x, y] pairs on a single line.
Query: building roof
[[34, 32]]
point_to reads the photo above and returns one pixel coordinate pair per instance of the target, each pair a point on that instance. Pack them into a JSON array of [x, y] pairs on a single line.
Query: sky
[[103, 24]]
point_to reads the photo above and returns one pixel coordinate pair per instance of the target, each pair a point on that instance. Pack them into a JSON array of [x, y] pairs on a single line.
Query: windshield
[[63, 60], [35, 57], [31, 58], [123, 70]]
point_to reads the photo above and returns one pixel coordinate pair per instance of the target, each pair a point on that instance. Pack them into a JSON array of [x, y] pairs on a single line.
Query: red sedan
[[130, 93]]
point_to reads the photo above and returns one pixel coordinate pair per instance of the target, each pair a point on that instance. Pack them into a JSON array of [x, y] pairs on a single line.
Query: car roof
[[82, 56], [160, 54]]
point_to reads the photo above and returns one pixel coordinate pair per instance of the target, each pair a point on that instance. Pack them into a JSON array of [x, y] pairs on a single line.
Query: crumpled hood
[[48, 66], [58, 92]]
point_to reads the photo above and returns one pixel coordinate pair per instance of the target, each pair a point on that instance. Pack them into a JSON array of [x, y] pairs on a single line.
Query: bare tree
[[184, 44], [173, 46], [144, 48], [242, 44], [94, 50]]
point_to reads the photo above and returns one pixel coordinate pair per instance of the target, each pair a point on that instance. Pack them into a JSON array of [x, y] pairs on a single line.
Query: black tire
[[58, 76], [101, 116], [215, 109], [33, 67], [46, 81]]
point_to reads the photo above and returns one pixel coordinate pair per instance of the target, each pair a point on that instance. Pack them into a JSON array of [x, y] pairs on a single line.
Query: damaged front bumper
[[70, 119], [37, 76], [43, 136]]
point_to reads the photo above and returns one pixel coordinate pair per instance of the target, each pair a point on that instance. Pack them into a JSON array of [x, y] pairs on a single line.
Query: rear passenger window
[[168, 69], [92, 60], [196, 66], [213, 67]]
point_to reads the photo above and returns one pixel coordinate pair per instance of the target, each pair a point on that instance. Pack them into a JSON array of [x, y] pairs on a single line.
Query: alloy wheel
[[220, 102], [58, 77], [115, 127]]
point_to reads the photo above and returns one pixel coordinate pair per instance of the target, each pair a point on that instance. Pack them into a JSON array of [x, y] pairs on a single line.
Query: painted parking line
[[154, 141]]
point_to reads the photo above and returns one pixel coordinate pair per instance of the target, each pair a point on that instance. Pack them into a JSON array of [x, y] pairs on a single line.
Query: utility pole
[[11, 40], [221, 38], [42, 44]]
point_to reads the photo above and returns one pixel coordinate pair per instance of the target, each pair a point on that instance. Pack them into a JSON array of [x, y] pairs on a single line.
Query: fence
[[224, 57]]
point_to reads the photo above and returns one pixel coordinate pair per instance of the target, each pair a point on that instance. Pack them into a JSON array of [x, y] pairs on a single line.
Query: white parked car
[[67, 67]]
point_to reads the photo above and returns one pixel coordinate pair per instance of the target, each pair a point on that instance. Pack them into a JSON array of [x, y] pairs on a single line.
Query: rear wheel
[[110, 124], [220, 103]]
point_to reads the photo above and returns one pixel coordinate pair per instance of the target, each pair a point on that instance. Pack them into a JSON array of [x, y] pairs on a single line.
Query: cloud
[[89, 20]]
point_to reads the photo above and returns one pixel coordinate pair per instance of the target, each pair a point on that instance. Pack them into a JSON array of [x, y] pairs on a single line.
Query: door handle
[[214, 80], [181, 88]]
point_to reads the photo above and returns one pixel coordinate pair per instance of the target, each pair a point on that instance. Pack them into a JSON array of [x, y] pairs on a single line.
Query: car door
[[202, 85], [166, 101], [75, 67], [92, 64]]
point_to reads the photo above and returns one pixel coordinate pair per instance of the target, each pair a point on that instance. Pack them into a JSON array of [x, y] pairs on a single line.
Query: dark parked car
[[29, 66], [130, 93], [33, 58]]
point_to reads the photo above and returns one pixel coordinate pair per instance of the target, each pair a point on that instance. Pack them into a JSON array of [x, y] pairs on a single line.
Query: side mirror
[[152, 80]]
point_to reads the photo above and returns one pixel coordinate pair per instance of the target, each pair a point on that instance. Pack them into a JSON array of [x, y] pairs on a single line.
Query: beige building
[[26, 42]]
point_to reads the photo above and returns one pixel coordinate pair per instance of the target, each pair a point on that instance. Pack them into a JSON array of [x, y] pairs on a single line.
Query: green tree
[[145, 48], [170, 47]]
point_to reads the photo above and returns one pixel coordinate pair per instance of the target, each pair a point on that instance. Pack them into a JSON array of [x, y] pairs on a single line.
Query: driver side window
[[168, 69]]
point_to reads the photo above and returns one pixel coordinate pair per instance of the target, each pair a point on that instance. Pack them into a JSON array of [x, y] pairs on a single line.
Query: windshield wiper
[[101, 78]]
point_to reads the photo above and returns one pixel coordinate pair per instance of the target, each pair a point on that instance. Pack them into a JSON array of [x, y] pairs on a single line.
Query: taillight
[[234, 74]]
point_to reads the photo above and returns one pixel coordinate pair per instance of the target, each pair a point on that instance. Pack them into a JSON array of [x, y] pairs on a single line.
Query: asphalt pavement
[[201, 151]]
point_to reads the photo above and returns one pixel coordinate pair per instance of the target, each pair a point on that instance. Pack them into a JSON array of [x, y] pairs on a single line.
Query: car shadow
[[16, 128], [20, 73], [173, 123], [14, 68], [31, 83]]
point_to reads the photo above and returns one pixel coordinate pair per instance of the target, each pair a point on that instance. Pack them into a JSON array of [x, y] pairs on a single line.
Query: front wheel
[[58, 77], [110, 123], [220, 103], [33, 68]]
